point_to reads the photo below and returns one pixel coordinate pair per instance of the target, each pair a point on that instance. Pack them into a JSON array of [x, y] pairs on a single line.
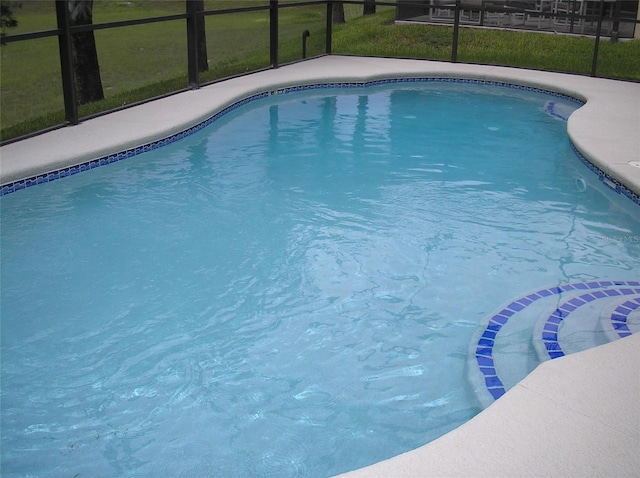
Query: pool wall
[[76, 168], [578, 415], [605, 131]]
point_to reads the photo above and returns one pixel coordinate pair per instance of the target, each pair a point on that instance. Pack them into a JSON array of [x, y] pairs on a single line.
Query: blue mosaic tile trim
[[112, 158], [71, 170], [607, 180], [552, 325], [620, 315], [484, 348], [473, 81], [551, 109]]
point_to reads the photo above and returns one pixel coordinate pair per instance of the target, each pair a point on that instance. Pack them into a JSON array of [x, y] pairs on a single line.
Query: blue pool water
[[301, 288]]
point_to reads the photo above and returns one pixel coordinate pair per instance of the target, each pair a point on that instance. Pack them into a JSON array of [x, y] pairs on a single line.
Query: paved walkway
[[578, 415]]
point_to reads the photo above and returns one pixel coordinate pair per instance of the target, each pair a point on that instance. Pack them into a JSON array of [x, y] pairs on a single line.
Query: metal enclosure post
[[305, 35], [615, 28], [66, 62], [596, 46], [572, 15], [329, 27], [273, 42], [192, 44], [456, 29]]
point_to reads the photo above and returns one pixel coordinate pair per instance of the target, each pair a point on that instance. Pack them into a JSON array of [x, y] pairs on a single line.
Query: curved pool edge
[[560, 419], [606, 131], [575, 416]]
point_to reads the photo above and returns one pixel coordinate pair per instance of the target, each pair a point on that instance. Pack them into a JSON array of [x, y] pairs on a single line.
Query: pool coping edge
[[20, 161]]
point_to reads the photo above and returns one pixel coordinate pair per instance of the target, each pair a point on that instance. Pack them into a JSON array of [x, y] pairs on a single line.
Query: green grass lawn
[[140, 62], [378, 36]]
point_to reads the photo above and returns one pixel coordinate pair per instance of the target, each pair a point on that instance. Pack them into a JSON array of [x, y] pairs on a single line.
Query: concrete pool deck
[[575, 416]]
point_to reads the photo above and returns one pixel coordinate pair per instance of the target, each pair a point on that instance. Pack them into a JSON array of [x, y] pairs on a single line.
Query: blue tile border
[[112, 158], [553, 322], [484, 347], [620, 315], [607, 180], [550, 109]]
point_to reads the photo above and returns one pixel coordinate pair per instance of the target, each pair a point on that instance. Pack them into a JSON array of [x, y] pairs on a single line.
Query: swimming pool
[[327, 263]]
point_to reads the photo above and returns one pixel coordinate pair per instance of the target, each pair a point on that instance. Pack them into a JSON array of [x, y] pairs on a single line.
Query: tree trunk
[[337, 15], [203, 60], [369, 7], [7, 19], [85, 54]]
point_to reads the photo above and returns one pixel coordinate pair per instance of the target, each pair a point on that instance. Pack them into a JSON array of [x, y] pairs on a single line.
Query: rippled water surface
[[293, 290]]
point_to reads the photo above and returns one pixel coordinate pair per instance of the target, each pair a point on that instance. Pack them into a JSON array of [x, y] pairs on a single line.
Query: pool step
[[584, 320], [547, 324], [623, 320]]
